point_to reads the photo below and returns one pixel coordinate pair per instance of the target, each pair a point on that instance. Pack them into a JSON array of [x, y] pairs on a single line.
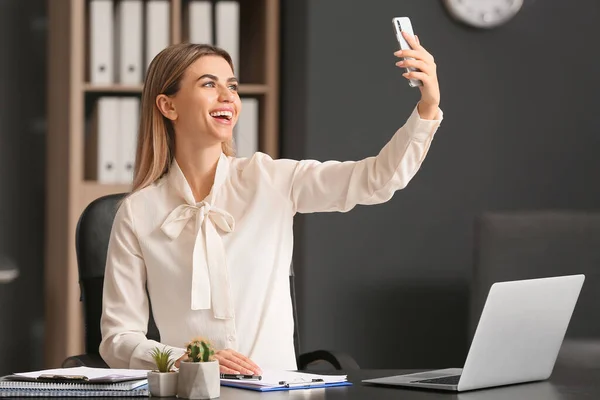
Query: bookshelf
[[70, 98]]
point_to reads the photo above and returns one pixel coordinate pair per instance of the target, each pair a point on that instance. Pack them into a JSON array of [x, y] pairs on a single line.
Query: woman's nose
[[225, 95]]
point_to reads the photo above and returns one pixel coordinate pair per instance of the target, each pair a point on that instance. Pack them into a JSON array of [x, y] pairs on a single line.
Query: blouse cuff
[[422, 129]]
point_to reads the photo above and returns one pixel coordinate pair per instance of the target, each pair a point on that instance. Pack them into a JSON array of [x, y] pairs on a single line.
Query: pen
[[61, 378], [314, 382], [241, 376]]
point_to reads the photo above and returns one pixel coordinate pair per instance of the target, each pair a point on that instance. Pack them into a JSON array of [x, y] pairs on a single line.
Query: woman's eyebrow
[[213, 77], [209, 76]]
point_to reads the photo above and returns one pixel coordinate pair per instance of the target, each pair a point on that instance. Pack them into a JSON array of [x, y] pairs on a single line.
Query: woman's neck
[[199, 166]]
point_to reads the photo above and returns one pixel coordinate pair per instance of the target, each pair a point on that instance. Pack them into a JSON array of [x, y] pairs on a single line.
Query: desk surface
[[563, 384]]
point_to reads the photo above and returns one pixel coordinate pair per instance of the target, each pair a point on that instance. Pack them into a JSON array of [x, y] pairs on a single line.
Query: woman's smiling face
[[207, 105]]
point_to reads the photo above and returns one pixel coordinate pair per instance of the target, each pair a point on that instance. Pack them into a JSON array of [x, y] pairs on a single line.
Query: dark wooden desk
[[564, 384]]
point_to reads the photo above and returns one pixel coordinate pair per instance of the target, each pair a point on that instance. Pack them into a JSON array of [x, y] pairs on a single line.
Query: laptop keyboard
[[445, 380]]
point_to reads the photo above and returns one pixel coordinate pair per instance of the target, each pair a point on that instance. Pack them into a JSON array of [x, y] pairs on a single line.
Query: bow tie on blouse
[[209, 265]]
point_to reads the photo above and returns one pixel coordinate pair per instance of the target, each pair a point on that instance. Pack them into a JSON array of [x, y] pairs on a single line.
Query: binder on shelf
[[129, 42], [227, 26], [246, 131], [102, 142], [101, 41], [128, 129], [200, 22], [157, 27]]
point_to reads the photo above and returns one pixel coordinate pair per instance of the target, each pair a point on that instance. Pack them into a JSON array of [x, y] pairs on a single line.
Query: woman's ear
[[166, 106]]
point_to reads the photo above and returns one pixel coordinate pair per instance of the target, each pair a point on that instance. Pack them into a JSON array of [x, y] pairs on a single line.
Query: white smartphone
[[402, 24]]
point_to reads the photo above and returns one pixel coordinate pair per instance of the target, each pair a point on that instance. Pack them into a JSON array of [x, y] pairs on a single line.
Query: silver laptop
[[519, 334]]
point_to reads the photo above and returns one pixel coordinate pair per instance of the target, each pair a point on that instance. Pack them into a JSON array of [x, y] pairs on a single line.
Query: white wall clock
[[483, 13]]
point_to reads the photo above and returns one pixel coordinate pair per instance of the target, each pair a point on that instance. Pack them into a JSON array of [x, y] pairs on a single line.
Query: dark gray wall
[[22, 157], [389, 283]]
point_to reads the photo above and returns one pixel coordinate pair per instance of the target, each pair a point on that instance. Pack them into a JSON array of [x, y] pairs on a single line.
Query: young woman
[[210, 235]]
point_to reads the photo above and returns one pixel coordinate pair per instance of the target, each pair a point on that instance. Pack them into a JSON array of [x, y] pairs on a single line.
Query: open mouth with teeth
[[222, 116]]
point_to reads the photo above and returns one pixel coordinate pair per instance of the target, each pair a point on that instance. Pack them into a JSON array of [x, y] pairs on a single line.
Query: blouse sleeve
[[314, 186], [125, 305]]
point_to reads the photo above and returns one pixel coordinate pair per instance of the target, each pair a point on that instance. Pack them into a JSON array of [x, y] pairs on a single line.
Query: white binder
[[101, 41], [129, 42], [157, 28], [200, 22], [102, 143], [128, 130], [246, 131], [227, 24]]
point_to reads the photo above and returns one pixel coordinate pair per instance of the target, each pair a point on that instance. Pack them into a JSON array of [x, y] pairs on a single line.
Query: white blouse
[[220, 268]]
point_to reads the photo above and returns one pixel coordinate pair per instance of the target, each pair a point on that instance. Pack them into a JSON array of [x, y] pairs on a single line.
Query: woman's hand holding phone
[[427, 73]]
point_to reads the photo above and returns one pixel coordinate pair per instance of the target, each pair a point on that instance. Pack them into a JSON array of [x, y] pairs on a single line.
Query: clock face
[[483, 13]]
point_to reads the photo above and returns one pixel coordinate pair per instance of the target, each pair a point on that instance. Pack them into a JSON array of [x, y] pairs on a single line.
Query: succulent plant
[[200, 350], [162, 358]]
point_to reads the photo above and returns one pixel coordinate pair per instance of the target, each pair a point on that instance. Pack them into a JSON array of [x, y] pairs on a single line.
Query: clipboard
[[280, 380], [296, 386]]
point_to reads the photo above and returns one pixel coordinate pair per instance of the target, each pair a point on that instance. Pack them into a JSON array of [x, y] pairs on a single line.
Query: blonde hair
[[156, 136]]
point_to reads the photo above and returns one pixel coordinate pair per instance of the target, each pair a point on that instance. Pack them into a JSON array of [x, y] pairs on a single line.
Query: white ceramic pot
[[162, 384], [199, 380]]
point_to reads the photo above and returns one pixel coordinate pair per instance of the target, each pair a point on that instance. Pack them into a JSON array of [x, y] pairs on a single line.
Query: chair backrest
[[91, 244], [534, 244], [92, 237]]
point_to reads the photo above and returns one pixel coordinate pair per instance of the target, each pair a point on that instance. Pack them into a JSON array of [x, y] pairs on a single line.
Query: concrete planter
[[199, 380], [162, 384]]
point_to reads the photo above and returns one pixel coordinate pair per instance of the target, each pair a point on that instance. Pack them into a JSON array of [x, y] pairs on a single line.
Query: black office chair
[[91, 241], [535, 244]]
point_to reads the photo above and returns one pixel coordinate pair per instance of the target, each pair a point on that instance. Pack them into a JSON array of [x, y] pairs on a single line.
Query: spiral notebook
[[141, 392], [120, 387], [76, 382]]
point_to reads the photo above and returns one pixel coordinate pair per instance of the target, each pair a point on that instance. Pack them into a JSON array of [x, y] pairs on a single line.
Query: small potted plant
[[162, 382], [199, 376]]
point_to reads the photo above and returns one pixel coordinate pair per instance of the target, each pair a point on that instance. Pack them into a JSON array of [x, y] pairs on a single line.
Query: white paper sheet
[[93, 374]]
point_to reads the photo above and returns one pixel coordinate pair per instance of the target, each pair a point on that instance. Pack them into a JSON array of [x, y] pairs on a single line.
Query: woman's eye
[[234, 87], [209, 84]]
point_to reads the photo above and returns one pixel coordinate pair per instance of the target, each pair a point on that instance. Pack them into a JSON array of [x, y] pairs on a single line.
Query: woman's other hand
[[232, 362], [425, 63]]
